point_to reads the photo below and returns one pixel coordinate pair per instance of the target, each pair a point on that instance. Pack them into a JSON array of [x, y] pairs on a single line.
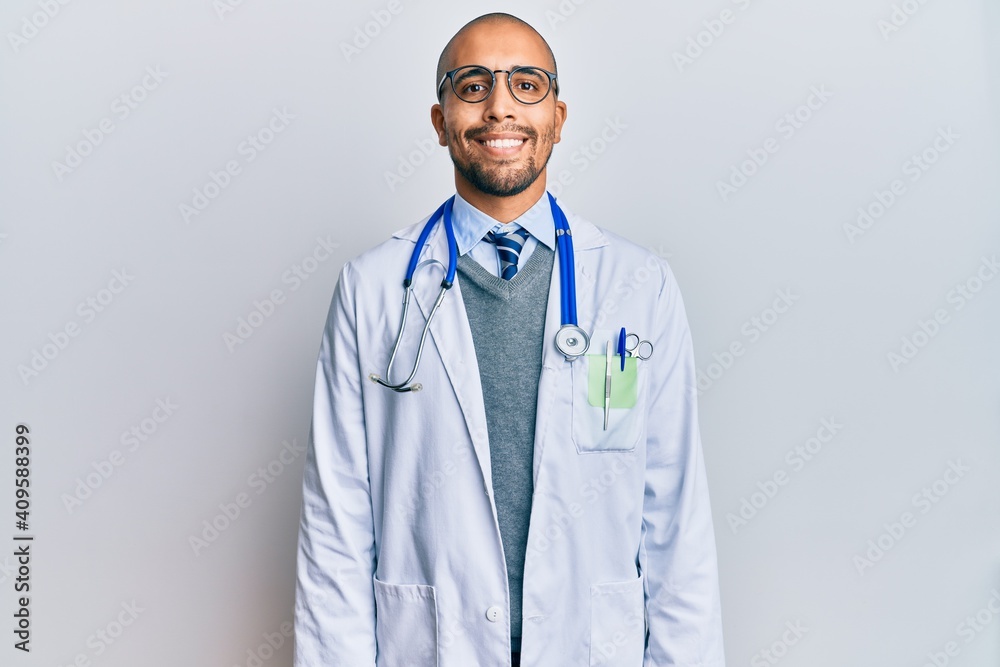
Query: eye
[[530, 81]]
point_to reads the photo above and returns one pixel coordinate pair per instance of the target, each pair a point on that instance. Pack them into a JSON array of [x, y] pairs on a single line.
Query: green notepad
[[623, 383]]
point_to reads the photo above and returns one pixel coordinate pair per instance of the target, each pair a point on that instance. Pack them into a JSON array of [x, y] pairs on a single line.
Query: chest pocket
[[627, 415]]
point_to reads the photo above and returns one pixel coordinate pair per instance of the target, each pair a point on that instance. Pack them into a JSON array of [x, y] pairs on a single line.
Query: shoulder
[[388, 258], [620, 252]]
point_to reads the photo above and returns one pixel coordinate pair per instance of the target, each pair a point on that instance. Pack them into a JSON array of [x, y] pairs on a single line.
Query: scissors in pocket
[[640, 349]]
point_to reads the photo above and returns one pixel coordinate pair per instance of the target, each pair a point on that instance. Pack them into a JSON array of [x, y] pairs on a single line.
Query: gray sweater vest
[[507, 318]]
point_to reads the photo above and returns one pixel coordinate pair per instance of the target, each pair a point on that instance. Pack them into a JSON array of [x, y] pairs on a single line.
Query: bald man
[[511, 499]]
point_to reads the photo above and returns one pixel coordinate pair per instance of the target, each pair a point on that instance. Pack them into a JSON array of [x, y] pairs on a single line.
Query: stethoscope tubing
[[567, 283], [444, 210], [567, 269]]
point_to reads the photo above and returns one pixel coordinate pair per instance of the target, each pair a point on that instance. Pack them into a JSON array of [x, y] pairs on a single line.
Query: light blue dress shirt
[[471, 225]]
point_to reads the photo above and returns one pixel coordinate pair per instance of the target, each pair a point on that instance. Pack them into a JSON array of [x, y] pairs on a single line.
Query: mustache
[[474, 134]]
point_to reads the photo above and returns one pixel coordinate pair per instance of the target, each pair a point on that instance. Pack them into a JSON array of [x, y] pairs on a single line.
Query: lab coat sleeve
[[334, 595], [677, 553]]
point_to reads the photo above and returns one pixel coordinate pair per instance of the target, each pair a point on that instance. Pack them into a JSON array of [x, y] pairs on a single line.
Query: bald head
[[496, 19]]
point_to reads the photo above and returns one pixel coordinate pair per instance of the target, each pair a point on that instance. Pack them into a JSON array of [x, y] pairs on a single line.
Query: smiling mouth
[[501, 143]]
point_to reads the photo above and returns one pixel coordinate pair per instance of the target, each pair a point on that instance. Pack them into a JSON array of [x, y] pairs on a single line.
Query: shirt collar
[[471, 224]]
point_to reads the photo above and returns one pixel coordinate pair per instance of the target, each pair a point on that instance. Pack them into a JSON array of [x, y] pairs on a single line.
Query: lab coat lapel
[[452, 338], [554, 385]]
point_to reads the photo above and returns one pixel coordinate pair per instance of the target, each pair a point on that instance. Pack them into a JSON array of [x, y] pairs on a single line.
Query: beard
[[498, 178]]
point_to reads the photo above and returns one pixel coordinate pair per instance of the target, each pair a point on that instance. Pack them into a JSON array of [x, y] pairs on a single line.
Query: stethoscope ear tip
[[416, 386]]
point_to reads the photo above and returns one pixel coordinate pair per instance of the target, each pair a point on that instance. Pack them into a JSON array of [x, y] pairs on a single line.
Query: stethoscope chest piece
[[572, 341]]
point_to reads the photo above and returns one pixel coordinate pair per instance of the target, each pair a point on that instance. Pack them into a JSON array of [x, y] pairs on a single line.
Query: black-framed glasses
[[475, 83]]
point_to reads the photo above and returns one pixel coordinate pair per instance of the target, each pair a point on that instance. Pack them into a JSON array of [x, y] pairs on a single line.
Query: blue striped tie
[[509, 246]]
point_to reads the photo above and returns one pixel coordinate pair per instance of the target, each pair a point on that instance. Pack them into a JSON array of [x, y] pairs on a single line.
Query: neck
[[502, 209]]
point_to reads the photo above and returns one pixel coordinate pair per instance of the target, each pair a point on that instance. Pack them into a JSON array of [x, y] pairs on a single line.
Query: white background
[[683, 127]]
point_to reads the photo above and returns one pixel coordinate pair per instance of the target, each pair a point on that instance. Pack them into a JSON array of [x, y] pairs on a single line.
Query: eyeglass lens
[[474, 84]]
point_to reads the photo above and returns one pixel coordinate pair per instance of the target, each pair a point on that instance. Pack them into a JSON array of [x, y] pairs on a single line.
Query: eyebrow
[[512, 67], [468, 73]]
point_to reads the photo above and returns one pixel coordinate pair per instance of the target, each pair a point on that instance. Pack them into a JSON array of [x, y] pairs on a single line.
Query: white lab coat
[[400, 560]]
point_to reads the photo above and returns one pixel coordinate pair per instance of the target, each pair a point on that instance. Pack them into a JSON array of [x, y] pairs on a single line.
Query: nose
[[500, 105]]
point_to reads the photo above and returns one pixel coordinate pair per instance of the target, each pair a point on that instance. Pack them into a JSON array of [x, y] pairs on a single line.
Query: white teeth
[[504, 143]]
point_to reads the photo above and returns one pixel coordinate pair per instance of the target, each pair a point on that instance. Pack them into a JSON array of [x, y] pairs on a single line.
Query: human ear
[[437, 120]]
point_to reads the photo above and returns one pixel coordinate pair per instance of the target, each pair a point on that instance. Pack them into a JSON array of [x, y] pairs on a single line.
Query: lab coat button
[[493, 613]]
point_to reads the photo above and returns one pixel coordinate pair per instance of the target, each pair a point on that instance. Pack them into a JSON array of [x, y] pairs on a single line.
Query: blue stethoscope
[[571, 340]]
